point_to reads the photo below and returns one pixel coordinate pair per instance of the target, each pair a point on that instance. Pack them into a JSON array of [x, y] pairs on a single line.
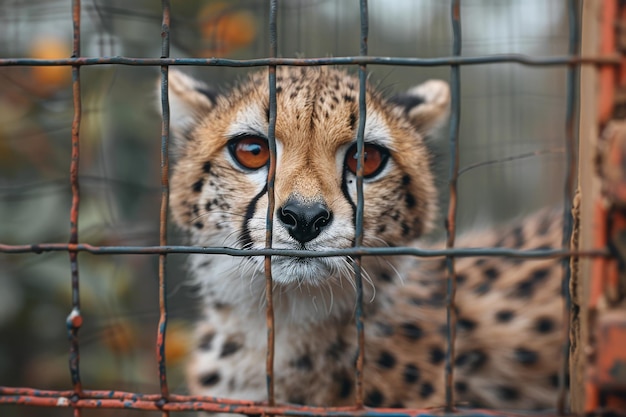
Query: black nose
[[304, 221]]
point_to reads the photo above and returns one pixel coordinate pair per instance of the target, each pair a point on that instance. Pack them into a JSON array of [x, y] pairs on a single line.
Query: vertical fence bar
[[455, 118], [165, 132], [269, 225], [74, 320], [358, 237], [571, 142]]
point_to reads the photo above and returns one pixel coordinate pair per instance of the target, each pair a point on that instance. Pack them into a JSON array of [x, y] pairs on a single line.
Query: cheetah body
[[508, 348]]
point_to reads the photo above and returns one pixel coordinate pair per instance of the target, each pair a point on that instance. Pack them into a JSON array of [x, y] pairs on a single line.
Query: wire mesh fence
[[80, 398]]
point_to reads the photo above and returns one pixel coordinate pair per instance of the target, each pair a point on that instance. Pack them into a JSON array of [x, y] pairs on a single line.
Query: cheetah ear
[[426, 105], [189, 100]]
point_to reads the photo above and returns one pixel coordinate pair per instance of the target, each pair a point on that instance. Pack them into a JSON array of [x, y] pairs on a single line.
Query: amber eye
[[250, 152], [374, 161]]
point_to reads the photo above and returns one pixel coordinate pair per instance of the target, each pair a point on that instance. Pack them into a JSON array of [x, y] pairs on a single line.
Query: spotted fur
[[509, 311]]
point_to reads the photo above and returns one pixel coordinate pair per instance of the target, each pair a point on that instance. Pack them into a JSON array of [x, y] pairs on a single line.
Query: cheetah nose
[[304, 221]]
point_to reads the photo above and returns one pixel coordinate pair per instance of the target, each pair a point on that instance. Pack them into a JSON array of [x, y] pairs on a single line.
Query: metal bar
[[189, 403], [165, 131], [360, 203], [6, 392], [271, 202], [571, 141], [607, 59], [9, 395], [74, 319], [354, 251], [453, 175]]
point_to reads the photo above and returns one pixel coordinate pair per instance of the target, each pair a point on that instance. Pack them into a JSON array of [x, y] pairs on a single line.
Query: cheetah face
[[219, 184]]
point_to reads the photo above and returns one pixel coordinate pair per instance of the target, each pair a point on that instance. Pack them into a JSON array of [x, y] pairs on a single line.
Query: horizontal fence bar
[[348, 60], [154, 402], [352, 251], [114, 395]]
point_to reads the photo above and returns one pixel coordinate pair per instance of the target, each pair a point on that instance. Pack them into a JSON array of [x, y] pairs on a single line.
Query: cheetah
[[508, 347]]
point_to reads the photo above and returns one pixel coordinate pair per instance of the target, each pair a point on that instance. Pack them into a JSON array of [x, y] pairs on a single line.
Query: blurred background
[[507, 111]]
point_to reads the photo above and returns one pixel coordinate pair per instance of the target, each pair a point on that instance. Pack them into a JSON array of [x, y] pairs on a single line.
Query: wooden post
[[588, 193]]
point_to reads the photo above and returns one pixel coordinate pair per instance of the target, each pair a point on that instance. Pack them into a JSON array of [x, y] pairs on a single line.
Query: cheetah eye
[[251, 152], [375, 159]]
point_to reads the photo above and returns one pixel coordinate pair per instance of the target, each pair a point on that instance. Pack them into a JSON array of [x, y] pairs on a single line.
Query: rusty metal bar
[[116, 395], [548, 61], [271, 202], [571, 143], [354, 251], [453, 175], [165, 132], [74, 319], [191, 403], [360, 203]]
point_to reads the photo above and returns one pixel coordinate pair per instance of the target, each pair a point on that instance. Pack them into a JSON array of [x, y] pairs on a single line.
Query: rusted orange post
[[605, 345]]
